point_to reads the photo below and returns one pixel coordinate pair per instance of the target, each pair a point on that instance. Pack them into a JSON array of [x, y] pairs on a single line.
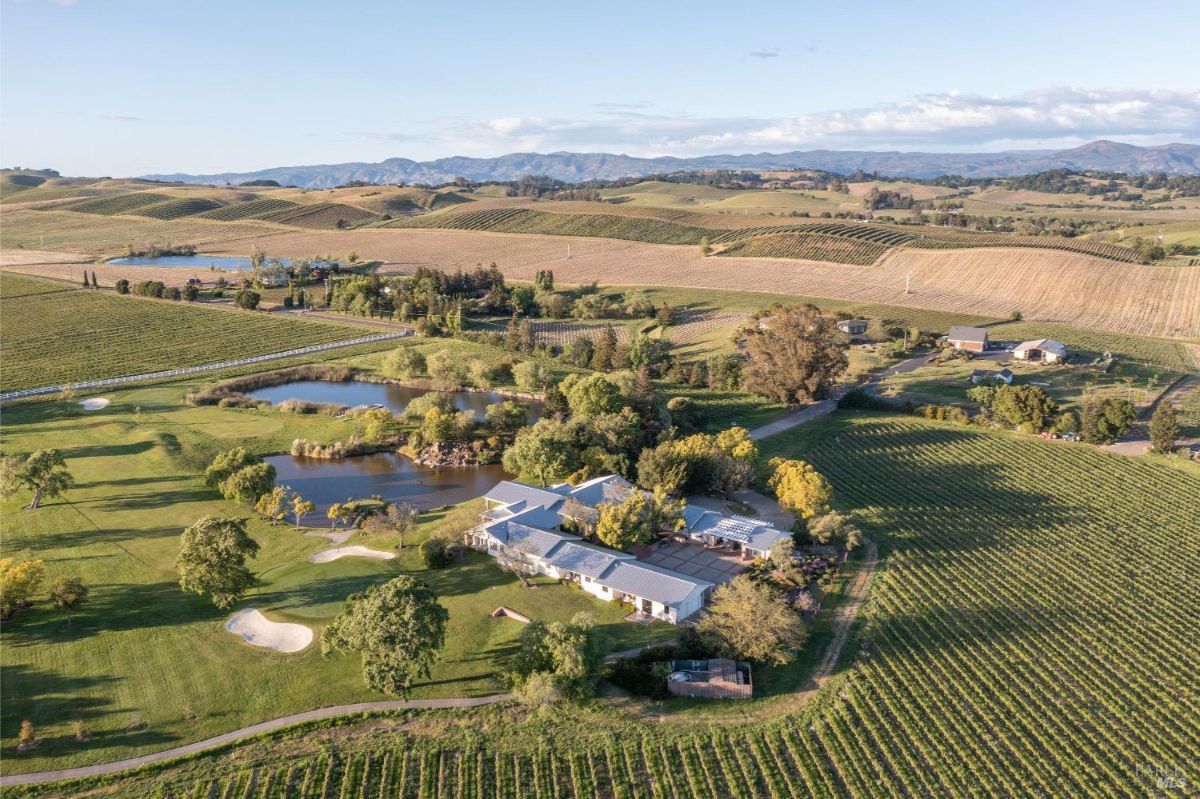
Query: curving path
[[246, 732]]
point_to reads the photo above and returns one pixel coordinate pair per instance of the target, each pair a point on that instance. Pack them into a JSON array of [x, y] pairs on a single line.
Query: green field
[[1006, 651], [142, 648], [56, 334]]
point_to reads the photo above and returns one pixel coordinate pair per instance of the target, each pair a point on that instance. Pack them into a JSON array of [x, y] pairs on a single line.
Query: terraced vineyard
[[56, 334], [524, 220], [1006, 652], [951, 239]]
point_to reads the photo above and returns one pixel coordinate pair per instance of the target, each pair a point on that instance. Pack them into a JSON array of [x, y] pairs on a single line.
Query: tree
[[400, 516], [67, 594], [444, 373], [301, 507], [226, 463], [397, 627], [799, 487], [752, 620], [517, 559], [1105, 420], [85, 280], [404, 362], [705, 247], [591, 395], [19, 581], [530, 376], [212, 559], [122, 286], [1024, 406], [43, 473], [505, 418], [637, 519], [1164, 426], [247, 299], [249, 483], [795, 357], [272, 505], [27, 739], [568, 652], [543, 451], [379, 426], [833, 528]]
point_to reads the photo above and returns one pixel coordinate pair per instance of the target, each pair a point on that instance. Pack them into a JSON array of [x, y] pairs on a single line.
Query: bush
[[438, 553], [247, 299], [173, 293], [122, 286]]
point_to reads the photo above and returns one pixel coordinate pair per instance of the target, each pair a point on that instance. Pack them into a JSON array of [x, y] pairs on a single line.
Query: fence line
[[211, 367]]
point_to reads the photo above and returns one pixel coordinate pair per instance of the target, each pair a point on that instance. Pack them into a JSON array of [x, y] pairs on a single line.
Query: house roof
[[651, 582], [753, 533], [1045, 344], [543, 543], [507, 492], [586, 559], [974, 334], [610, 488]]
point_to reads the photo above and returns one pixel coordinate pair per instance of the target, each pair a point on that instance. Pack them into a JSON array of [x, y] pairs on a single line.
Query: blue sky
[[105, 87]]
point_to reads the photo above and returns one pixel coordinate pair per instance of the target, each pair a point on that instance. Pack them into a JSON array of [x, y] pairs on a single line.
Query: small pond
[[388, 474], [396, 398], [195, 261]]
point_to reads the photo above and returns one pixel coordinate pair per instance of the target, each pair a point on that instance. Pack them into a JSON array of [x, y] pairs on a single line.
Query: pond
[[196, 261], [390, 475], [395, 398]]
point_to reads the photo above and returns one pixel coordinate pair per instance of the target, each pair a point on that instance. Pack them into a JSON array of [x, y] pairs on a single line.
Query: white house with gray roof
[[526, 519]]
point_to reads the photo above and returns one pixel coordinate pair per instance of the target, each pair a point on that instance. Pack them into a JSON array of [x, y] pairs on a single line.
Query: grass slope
[[1029, 632], [55, 334]]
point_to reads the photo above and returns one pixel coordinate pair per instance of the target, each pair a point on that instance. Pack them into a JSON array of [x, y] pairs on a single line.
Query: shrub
[[122, 286], [438, 553]]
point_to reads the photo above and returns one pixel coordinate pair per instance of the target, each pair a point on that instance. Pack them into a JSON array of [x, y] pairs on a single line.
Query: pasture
[[1004, 651], [57, 334]]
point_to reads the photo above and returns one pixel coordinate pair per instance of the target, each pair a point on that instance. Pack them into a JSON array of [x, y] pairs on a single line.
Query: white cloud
[[944, 122]]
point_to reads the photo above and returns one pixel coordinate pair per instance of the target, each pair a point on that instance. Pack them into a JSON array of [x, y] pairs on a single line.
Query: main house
[[527, 521]]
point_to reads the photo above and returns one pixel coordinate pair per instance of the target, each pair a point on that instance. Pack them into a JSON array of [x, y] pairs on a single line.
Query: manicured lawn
[[142, 649]]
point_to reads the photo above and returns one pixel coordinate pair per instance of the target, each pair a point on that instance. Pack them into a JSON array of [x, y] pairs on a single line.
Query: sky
[[130, 87]]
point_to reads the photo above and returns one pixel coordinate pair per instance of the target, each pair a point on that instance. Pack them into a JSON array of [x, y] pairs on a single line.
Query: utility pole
[[568, 251], [908, 283]]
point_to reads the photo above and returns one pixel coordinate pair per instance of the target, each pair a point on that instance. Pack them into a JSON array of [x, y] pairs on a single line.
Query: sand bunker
[[257, 630], [326, 555], [94, 403]]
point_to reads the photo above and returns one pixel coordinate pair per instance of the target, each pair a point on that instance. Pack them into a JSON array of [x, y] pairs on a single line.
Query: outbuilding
[[1042, 350], [971, 339], [853, 327]]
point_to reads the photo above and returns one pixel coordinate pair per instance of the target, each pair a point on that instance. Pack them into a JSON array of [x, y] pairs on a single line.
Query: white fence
[[191, 370]]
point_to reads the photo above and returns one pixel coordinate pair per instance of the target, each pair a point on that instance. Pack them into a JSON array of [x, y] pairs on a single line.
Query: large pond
[[389, 475], [396, 398], [195, 261]]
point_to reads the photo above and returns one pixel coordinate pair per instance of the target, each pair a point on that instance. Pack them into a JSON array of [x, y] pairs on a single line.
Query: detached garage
[[971, 339]]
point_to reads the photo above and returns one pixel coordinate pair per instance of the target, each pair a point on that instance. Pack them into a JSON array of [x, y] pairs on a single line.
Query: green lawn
[[143, 649], [56, 334]]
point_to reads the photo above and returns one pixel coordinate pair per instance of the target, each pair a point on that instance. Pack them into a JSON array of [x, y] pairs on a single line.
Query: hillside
[[1181, 159]]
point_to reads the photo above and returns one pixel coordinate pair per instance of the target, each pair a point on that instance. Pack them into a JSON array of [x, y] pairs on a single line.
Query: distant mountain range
[[1180, 159]]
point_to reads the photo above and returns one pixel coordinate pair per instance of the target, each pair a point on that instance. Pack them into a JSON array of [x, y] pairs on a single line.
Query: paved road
[[247, 732], [1136, 443]]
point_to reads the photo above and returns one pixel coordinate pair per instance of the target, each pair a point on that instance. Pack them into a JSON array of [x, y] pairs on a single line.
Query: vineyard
[[319, 215], [113, 205], [813, 247], [56, 334], [173, 209], [811, 240], [254, 209], [1030, 633]]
